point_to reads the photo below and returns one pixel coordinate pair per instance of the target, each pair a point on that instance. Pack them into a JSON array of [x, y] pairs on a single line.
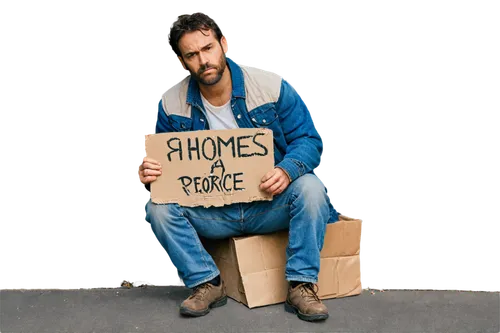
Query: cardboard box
[[253, 267]]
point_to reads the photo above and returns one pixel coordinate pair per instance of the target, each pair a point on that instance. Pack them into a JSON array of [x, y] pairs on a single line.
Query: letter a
[[218, 164]]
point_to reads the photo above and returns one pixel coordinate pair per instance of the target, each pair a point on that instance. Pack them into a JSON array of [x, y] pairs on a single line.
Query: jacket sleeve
[[304, 145], [162, 126]]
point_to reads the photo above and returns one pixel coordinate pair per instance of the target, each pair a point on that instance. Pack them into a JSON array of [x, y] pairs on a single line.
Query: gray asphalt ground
[[155, 309]]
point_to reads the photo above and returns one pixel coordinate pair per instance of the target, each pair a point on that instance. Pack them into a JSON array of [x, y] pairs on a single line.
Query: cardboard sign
[[211, 168]]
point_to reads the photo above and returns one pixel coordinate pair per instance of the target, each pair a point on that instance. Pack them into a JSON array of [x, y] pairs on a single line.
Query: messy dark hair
[[189, 23]]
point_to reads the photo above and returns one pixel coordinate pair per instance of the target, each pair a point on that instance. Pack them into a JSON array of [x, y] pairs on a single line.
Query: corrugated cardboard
[[211, 168], [253, 268]]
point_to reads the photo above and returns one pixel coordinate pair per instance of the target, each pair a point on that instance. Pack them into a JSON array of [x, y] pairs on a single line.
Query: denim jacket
[[259, 99]]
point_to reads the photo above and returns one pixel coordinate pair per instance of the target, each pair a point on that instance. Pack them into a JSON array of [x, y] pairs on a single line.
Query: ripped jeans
[[303, 208]]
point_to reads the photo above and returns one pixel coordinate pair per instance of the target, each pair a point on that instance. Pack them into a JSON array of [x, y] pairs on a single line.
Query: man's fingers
[[148, 165], [150, 172], [270, 182], [148, 179], [275, 186], [268, 175], [280, 189], [150, 160]]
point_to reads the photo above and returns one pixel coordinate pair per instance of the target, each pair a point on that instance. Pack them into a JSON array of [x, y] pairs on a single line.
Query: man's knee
[[311, 187], [309, 194], [162, 213]]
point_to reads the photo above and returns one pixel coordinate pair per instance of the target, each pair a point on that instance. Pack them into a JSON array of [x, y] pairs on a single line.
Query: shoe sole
[[292, 309], [215, 304]]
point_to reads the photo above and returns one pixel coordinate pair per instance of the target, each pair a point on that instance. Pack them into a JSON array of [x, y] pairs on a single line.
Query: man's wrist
[[286, 173]]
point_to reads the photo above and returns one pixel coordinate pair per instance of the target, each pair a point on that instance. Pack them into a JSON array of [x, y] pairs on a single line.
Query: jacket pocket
[[264, 115], [180, 123]]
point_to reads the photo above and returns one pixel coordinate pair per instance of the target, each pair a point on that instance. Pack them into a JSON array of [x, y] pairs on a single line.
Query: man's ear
[[223, 43], [182, 62]]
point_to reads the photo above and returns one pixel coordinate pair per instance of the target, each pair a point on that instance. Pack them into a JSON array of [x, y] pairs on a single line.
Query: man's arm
[[160, 125], [304, 145]]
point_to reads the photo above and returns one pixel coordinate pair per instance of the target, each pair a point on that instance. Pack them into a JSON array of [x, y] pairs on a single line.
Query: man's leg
[[304, 208], [177, 229]]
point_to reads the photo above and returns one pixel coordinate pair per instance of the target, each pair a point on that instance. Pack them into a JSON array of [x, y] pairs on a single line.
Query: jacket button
[[202, 120], [238, 116], [264, 121]]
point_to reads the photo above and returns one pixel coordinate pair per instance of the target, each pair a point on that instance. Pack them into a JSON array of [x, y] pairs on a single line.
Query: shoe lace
[[200, 291], [310, 292]]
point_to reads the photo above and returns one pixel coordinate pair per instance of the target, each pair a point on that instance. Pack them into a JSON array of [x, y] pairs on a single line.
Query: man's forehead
[[197, 37]]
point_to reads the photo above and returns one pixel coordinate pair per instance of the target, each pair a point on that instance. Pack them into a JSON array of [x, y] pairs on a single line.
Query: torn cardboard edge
[[216, 201]]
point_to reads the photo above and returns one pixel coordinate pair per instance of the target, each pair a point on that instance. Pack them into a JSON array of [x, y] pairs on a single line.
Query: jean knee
[[310, 193], [162, 213], [311, 187]]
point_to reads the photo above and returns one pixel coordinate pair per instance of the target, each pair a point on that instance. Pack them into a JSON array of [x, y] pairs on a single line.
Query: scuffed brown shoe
[[204, 297], [304, 301]]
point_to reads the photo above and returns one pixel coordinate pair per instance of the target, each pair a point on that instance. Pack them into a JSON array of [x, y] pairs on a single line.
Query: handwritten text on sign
[[211, 168]]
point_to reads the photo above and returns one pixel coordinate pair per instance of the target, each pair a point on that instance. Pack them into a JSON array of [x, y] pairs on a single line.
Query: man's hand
[[275, 181], [149, 170]]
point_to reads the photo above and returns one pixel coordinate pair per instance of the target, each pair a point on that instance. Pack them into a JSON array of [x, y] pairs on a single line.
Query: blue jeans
[[304, 208]]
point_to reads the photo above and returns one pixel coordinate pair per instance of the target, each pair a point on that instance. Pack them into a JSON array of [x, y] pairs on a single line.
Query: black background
[[385, 87]]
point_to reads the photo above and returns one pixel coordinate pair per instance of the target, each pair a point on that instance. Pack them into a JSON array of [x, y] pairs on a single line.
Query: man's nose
[[203, 59]]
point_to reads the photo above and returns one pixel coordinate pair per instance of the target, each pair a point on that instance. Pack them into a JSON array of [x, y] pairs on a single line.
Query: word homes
[[211, 168]]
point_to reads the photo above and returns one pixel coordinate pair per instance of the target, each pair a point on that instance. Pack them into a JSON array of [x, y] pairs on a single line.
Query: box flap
[[339, 277], [253, 252], [342, 238], [349, 275], [261, 261], [224, 255], [265, 287], [328, 271]]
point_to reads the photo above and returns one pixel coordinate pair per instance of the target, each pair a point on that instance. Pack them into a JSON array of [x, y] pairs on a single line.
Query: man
[[219, 94]]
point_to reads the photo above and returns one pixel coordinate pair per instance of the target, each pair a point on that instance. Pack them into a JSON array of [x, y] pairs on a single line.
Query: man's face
[[203, 56]]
